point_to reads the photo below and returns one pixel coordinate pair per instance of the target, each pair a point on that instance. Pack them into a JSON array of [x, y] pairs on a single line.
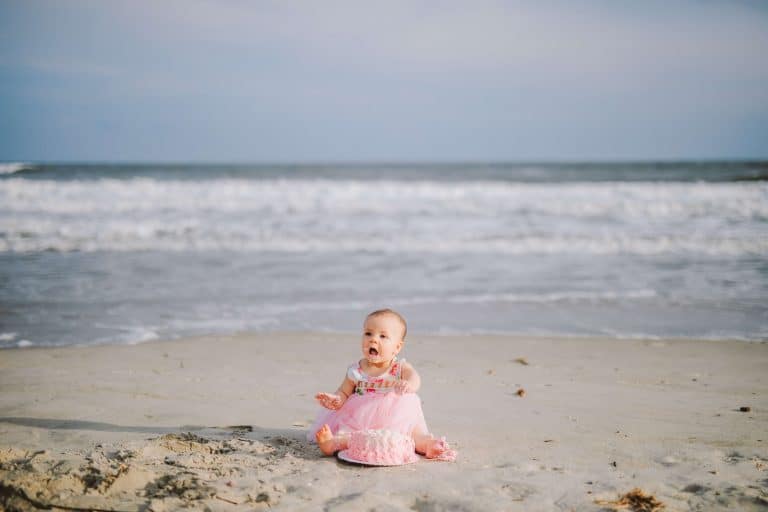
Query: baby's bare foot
[[325, 441], [440, 449]]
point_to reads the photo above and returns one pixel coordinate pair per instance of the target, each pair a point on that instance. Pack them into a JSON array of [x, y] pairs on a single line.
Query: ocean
[[120, 253]]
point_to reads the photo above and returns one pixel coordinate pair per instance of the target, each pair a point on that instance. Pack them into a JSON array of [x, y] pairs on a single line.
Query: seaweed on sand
[[635, 500]]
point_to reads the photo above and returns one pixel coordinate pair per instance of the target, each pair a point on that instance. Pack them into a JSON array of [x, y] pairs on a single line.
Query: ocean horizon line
[[394, 162]]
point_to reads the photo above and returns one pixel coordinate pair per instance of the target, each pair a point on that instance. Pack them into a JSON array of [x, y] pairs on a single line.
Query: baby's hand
[[402, 387], [329, 401]]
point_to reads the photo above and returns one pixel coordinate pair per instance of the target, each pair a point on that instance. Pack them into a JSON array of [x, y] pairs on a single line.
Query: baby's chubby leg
[[328, 443]]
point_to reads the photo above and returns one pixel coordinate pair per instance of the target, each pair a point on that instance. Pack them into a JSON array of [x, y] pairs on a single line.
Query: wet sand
[[219, 422]]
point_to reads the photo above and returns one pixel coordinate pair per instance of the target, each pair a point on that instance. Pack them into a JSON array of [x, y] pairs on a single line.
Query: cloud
[[461, 36], [461, 70], [523, 43]]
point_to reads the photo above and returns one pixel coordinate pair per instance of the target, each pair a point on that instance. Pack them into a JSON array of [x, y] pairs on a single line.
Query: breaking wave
[[387, 216], [14, 167]]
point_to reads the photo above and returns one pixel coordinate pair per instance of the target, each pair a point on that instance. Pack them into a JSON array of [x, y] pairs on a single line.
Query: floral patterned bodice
[[381, 384]]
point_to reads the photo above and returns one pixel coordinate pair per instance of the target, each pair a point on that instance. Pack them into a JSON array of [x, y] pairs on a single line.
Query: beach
[[203, 209], [220, 422]]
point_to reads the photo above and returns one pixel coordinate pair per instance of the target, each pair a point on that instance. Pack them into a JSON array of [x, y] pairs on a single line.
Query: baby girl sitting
[[378, 393]]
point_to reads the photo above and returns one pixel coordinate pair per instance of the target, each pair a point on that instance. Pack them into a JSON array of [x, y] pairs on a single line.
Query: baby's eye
[[382, 335], [367, 333]]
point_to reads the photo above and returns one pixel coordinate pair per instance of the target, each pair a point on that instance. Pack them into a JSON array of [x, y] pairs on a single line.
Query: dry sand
[[219, 422]]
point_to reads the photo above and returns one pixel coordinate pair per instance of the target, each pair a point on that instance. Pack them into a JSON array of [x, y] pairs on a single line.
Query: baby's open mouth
[[373, 352]]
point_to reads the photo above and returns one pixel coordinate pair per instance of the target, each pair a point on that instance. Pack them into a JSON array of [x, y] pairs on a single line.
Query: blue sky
[[247, 81]]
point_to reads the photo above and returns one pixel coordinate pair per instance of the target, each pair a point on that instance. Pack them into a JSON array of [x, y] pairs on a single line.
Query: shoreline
[[600, 416]]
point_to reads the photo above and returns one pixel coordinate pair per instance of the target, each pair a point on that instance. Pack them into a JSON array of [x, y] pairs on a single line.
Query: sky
[[346, 81]]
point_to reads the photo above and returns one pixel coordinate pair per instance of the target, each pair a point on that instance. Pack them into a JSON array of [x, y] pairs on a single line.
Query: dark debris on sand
[[635, 500]]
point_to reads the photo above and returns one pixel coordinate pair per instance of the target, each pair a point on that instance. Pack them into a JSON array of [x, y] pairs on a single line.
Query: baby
[[378, 392]]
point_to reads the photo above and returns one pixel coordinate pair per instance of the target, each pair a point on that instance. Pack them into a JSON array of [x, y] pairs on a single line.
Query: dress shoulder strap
[[354, 372], [399, 372]]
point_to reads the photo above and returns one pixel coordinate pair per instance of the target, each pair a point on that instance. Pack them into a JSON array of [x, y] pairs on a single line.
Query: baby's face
[[382, 338]]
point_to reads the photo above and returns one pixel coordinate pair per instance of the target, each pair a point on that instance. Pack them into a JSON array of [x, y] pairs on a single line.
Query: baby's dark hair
[[387, 311]]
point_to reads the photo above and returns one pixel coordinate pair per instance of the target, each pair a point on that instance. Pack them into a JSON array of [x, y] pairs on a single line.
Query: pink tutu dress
[[374, 405]]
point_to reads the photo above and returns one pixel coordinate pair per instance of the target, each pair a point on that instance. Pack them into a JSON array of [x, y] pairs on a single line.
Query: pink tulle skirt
[[387, 411]]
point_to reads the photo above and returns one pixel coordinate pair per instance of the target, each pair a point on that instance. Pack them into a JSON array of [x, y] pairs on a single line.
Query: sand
[[219, 422]]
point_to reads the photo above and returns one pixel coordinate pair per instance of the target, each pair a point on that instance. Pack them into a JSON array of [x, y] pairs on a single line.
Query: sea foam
[[428, 217]]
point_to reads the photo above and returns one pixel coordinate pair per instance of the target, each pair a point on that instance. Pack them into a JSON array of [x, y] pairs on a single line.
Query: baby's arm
[[335, 400], [409, 382]]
